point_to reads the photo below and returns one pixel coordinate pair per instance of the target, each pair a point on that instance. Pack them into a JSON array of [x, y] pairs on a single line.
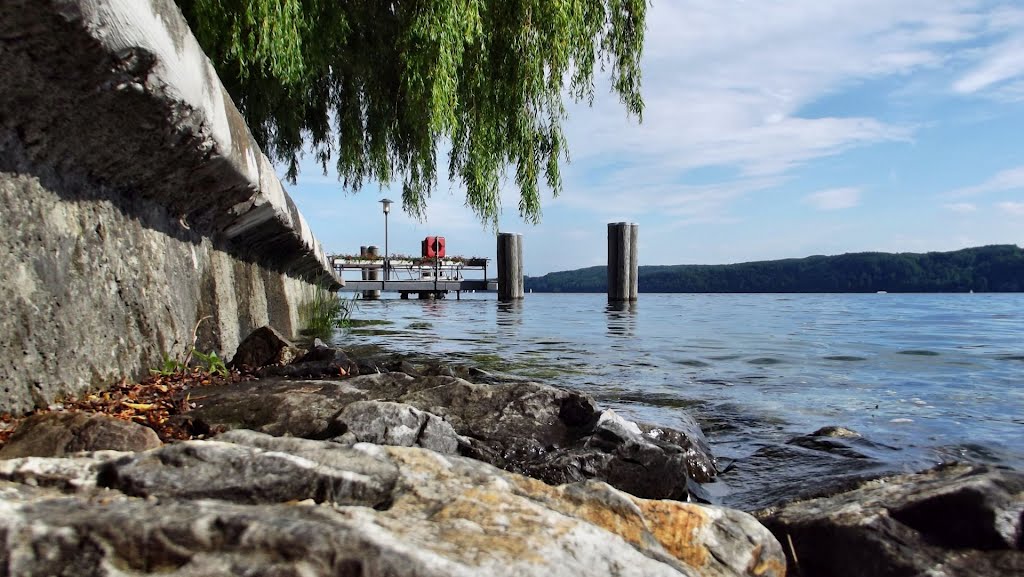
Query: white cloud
[[834, 199], [1003, 181], [728, 84], [1012, 208], [1002, 62], [960, 207]]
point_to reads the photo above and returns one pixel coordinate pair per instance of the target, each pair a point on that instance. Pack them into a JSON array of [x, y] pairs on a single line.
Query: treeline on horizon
[[995, 268]]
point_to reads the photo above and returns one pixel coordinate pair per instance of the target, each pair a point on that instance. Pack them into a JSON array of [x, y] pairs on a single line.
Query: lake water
[[923, 378]]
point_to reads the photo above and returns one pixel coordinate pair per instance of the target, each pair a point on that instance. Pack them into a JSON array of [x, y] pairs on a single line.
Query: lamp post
[[387, 264]]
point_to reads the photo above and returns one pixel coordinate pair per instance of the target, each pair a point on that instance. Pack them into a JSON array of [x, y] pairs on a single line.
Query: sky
[[772, 129]]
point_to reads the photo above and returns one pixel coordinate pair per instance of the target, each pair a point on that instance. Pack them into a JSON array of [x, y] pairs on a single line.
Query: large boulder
[[59, 434], [248, 503], [954, 520], [561, 436], [556, 435]]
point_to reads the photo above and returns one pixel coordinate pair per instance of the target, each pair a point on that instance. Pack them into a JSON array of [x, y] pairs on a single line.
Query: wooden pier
[[423, 277]]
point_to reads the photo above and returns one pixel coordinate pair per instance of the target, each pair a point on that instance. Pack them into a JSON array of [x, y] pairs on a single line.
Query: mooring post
[[622, 261], [372, 273], [613, 260], [634, 262], [519, 286], [510, 266], [364, 273]]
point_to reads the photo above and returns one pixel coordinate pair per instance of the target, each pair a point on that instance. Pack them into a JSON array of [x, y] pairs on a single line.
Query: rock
[[252, 504], [300, 408], [247, 474], [385, 423], [951, 520], [828, 461], [59, 434], [616, 451], [839, 441], [700, 465], [559, 436], [75, 474], [403, 366], [319, 362], [264, 346], [552, 434]]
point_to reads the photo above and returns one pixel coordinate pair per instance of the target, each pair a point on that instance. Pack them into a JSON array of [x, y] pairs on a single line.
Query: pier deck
[[430, 277], [439, 285]]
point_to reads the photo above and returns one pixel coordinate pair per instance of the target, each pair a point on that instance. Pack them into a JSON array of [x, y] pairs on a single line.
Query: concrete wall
[[133, 202]]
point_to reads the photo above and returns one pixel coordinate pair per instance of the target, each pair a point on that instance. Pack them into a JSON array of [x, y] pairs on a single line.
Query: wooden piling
[[510, 266], [623, 269], [371, 273], [634, 262]]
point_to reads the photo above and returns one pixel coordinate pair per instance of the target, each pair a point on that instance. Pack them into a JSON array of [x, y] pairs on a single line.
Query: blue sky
[[773, 129]]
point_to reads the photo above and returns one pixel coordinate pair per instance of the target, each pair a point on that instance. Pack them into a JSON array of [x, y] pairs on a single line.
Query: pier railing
[[421, 275]]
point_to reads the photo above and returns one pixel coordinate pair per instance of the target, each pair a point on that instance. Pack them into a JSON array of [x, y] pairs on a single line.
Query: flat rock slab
[[58, 434], [253, 504], [953, 520], [556, 435], [299, 408]]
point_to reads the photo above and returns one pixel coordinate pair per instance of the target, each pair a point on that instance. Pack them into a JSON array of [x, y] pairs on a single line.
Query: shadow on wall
[[133, 203]]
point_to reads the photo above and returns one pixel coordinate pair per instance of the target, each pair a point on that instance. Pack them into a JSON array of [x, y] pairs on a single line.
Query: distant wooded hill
[[996, 268]]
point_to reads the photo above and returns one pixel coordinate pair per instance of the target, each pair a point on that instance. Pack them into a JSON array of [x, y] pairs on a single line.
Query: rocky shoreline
[[333, 463]]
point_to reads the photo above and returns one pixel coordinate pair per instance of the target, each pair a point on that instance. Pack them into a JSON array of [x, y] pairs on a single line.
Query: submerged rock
[[825, 462], [952, 520], [59, 434], [253, 504]]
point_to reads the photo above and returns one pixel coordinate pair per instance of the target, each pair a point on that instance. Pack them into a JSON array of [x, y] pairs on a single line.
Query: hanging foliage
[[376, 86]]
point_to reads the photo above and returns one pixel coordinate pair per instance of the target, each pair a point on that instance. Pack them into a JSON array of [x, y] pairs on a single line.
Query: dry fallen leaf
[[152, 402]]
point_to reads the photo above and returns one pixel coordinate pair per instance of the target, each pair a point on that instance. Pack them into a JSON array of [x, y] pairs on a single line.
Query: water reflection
[[621, 319], [509, 318]]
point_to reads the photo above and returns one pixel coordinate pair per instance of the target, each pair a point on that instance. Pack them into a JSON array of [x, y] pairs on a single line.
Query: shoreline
[[445, 436]]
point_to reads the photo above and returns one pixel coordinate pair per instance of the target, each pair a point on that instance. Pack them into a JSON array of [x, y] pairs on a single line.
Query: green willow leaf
[[374, 86]]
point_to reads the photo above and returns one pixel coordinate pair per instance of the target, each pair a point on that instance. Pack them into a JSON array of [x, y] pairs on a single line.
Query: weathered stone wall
[[133, 202]]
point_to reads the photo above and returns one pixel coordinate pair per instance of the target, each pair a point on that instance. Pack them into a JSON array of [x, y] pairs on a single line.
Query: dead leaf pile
[[7, 426], [160, 402]]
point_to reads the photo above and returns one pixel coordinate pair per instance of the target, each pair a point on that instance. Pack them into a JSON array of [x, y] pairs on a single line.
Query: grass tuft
[[325, 312]]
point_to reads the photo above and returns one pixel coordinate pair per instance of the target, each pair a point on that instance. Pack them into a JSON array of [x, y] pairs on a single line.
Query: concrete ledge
[[84, 69], [133, 202]]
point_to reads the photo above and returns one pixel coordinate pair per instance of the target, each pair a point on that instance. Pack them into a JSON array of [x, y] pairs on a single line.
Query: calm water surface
[[925, 378]]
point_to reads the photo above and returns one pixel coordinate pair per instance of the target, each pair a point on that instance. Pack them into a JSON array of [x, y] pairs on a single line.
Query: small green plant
[[168, 367], [214, 364], [324, 312]]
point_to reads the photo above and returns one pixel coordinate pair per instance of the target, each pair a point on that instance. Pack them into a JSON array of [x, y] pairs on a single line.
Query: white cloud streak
[[834, 199], [1010, 179], [1012, 208], [960, 207], [1004, 62], [728, 85]]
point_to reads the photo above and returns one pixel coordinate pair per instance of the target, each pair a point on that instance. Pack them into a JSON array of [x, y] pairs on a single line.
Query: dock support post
[[634, 262], [371, 273], [510, 266], [623, 278]]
